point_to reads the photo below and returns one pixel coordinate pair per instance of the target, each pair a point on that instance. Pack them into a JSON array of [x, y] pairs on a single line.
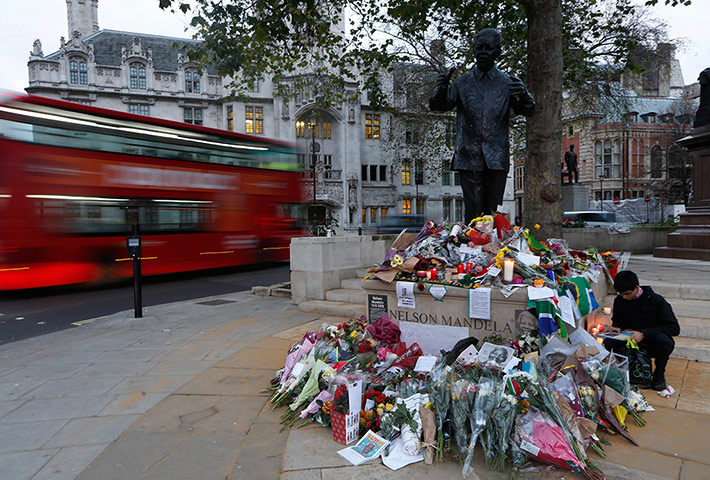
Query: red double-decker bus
[[74, 179]]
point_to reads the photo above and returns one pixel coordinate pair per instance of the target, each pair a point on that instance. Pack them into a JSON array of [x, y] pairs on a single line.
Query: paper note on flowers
[[540, 293], [431, 338], [369, 447], [405, 294], [566, 311], [479, 303]]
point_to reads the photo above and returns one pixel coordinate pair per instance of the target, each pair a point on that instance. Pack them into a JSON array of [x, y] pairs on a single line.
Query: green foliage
[[343, 55]]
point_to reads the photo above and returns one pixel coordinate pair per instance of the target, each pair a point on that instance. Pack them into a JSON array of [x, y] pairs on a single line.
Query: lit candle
[[469, 266], [607, 310], [460, 267], [434, 274], [508, 265]]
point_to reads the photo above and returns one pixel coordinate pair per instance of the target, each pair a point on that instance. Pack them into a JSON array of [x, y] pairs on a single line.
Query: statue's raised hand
[[443, 79]]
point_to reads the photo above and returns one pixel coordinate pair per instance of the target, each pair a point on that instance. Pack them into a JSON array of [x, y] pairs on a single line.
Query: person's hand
[[443, 79], [636, 336], [516, 86], [610, 329]]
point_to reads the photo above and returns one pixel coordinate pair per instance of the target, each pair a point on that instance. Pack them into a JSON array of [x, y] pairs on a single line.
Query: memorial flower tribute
[[555, 405]]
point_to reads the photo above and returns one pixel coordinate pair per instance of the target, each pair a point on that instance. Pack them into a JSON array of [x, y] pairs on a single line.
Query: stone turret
[[83, 17]]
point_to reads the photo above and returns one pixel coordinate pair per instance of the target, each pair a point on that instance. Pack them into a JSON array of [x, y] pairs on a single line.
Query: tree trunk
[[544, 129]]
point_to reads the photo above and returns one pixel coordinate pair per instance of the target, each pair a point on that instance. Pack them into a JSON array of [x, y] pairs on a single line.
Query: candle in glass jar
[[460, 267], [469, 266], [434, 274], [508, 265]]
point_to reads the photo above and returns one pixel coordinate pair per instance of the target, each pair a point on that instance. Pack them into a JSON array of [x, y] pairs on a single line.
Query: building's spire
[[83, 16]]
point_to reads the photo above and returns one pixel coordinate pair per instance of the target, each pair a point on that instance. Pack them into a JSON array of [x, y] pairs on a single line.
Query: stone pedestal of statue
[[575, 197], [692, 238]]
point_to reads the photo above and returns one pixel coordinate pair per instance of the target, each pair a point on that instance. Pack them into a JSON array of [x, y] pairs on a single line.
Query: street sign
[[647, 198], [617, 201], [321, 196]]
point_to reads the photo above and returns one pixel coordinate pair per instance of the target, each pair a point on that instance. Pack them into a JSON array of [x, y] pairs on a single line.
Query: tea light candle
[[607, 310], [508, 265]]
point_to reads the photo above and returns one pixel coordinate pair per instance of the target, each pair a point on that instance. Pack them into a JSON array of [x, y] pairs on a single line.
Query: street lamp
[[312, 126], [601, 194]]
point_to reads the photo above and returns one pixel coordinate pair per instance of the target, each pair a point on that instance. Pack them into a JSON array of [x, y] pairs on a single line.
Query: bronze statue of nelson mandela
[[483, 98]]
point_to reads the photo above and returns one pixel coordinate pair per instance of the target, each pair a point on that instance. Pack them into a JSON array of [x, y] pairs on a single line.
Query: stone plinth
[[318, 264], [575, 197], [692, 238], [452, 311]]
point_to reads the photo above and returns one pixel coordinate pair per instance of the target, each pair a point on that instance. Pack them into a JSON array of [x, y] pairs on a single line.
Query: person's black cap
[[625, 280]]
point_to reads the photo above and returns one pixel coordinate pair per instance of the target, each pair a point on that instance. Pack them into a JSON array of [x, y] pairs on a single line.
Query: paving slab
[[13, 390], [131, 403], [9, 406], [116, 369], [150, 384], [128, 356], [229, 382], [200, 414], [91, 431], [672, 432], [68, 462], [73, 387], [204, 457], [255, 358], [182, 367], [261, 452], [27, 436], [42, 372], [132, 455], [43, 409], [694, 471], [23, 465]]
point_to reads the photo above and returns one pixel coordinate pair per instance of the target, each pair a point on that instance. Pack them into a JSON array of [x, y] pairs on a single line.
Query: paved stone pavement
[[176, 395]]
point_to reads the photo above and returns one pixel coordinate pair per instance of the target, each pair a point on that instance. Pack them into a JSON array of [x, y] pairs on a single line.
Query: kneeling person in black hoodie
[[648, 317]]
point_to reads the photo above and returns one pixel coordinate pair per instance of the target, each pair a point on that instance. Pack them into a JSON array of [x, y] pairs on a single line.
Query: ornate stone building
[[145, 74], [630, 151]]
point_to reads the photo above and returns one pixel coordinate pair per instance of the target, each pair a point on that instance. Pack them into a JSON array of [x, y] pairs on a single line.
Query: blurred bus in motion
[[74, 179]]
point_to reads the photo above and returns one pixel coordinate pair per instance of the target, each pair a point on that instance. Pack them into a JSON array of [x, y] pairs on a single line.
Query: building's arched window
[[78, 71], [676, 163], [192, 81], [137, 74], [656, 161], [637, 159], [616, 160], [598, 158]]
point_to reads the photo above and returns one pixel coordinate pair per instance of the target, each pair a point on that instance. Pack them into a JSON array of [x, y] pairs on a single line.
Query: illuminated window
[[383, 214], [193, 115], [300, 129], [137, 75], [139, 109], [230, 118], [192, 81], [406, 173], [78, 72], [364, 215], [406, 207], [372, 125], [326, 130], [373, 215], [420, 206], [254, 119]]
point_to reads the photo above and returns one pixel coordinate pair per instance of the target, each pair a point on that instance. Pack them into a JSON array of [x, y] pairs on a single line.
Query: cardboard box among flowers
[[549, 393]]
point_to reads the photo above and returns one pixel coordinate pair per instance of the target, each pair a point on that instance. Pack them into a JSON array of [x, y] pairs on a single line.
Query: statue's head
[[571, 147], [487, 48]]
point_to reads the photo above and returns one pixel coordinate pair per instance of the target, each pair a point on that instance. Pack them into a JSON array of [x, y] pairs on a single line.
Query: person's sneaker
[[659, 384]]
